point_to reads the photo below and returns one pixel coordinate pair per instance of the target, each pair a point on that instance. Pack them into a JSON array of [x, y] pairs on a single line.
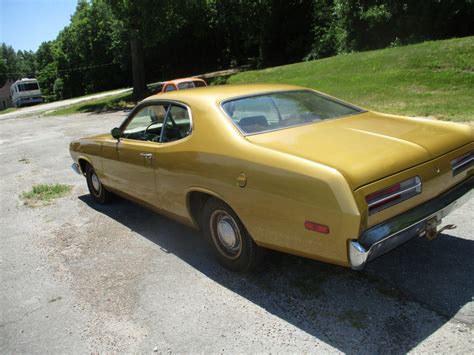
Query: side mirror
[[116, 133]]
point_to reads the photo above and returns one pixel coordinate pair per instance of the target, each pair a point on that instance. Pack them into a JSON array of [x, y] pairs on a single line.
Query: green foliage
[[3, 71], [174, 38], [16, 65], [58, 88], [343, 26], [430, 79], [43, 194]]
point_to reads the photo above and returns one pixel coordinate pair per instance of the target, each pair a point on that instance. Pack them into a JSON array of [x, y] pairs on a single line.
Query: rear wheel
[[232, 244], [96, 189]]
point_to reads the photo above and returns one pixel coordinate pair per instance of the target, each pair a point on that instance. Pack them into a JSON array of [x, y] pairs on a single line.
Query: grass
[[6, 110], [110, 103], [44, 194], [431, 79]]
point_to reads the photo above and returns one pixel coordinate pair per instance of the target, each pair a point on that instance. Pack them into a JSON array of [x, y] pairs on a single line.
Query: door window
[[146, 124], [177, 124], [159, 123]]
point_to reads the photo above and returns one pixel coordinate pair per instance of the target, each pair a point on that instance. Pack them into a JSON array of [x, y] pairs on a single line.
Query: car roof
[[181, 80], [219, 93]]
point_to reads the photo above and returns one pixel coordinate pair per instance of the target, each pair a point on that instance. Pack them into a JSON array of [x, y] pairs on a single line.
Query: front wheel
[[233, 246], [96, 189]]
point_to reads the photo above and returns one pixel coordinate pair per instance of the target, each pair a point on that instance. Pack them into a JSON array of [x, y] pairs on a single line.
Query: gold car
[[284, 168]]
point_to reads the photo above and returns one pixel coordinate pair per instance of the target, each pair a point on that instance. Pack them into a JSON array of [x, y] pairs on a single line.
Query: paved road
[[31, 110], [78, 277]]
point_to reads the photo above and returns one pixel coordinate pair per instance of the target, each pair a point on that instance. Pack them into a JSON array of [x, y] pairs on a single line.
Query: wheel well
[[82, 164], [196, 202]]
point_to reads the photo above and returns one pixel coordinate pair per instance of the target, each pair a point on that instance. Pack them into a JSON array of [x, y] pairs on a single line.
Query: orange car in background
[[180, 84]]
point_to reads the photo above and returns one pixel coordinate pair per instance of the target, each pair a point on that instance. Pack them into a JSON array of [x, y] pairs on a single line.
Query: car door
[[173, 156], [129, 163]]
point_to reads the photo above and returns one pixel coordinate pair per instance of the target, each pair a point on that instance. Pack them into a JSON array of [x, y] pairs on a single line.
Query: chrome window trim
[[222, 103], [146, 103]]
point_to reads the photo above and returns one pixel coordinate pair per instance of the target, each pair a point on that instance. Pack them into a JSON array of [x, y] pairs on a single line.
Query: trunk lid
[[368, 146]]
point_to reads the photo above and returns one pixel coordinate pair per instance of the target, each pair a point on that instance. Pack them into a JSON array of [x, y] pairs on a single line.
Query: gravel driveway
[[79, 277]]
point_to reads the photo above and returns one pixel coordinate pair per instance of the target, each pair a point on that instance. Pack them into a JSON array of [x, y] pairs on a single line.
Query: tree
[[8, 55], [3, 72], [138, 17]]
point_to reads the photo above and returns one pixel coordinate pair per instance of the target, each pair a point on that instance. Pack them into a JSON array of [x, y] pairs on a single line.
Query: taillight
[[462, 163], [394, 194]]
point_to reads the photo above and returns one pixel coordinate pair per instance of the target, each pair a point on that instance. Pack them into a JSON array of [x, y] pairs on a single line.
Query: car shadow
[[355, 312]]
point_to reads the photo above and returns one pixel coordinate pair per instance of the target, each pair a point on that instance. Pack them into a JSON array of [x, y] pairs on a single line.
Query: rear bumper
[[386, 236], [30, 100]]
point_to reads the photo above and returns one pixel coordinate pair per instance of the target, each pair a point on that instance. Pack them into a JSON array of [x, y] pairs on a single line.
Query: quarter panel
[[282, 191]]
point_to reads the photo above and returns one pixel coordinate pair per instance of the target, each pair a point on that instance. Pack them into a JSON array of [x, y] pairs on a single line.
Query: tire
[[96, 188], [233, 246]]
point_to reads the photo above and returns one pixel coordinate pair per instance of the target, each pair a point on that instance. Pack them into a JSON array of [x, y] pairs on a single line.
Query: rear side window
[[199, 83]]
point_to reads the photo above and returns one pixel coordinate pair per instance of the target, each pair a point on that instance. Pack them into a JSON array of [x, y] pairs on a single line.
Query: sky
[[25, 24]]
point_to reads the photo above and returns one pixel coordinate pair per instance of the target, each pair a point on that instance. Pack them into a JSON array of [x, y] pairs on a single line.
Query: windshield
[[283, 110]]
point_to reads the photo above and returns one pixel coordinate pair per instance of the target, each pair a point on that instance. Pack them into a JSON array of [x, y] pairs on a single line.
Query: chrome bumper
[[386, 236], [75, 167]]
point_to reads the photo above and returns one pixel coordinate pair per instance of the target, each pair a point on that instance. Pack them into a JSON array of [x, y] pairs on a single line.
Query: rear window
[[280, 110], [28, 87]]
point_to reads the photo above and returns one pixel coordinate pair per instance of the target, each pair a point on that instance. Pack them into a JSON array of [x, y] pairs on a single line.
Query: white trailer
[[26, 92]]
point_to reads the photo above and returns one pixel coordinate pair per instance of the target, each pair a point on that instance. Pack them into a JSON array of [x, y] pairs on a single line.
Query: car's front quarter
[[87, 150]]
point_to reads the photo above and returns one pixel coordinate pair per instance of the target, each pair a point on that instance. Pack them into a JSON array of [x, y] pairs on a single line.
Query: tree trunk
[[138, 68]]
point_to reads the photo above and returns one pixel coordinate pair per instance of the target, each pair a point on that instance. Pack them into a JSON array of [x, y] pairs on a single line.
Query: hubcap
[[95, 182], [226, 234]]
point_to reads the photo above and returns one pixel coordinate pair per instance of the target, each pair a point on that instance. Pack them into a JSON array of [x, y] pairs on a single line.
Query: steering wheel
[[146, 130]]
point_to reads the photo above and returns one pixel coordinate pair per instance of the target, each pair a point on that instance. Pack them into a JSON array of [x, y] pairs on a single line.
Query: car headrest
[[254, 120]]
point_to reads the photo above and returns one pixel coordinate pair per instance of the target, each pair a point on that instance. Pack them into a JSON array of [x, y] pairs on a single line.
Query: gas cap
[[242, 180]]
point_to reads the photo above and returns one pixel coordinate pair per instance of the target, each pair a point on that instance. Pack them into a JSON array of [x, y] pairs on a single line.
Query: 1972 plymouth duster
[[284, 168]]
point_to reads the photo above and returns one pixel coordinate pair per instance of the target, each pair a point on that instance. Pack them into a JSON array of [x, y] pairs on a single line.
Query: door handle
[[147, 155]]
